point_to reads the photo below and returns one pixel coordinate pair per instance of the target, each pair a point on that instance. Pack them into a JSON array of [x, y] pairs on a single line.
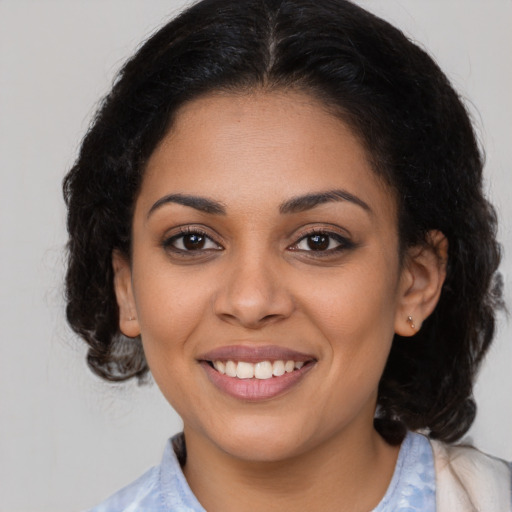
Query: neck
[[349, 472]]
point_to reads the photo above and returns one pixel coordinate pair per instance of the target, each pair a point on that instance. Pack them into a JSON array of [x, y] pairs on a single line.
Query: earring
[[410, 321], [130, 319]]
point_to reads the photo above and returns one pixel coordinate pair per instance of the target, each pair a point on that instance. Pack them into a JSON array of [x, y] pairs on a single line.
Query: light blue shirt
[[165, 489]]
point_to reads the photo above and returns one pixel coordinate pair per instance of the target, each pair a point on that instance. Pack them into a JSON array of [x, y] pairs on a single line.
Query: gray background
[[66, 439]]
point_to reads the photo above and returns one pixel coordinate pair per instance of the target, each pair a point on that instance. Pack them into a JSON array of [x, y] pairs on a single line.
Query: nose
[[253, 294]]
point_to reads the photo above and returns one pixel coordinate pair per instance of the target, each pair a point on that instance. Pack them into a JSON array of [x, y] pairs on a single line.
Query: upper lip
[[254, 354]]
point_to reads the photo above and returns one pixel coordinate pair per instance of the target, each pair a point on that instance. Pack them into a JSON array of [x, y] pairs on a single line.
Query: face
[[265, 278]]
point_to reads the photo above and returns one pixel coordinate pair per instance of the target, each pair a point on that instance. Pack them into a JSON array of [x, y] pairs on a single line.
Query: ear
[[128, 322], [421, 282]]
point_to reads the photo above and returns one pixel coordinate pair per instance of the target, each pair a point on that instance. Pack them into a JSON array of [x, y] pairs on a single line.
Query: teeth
[[260, 370], [278, 368], [263, 370], [220, 367], [245, 370], [231, 369]]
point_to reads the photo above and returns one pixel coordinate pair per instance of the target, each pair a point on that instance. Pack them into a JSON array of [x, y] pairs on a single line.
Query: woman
[[278, 211]]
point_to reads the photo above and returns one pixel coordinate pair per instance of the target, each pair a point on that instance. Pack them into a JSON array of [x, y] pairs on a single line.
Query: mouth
[[256, 373], [262, 370]]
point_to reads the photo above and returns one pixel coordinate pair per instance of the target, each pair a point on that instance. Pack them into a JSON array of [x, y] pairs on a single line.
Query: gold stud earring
[[410, 321]]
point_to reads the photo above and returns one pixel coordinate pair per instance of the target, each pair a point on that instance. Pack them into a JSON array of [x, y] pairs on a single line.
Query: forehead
[[260, 148]]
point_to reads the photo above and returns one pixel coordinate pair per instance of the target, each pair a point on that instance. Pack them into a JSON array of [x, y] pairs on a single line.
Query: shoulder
[[161, 489], [469, 480], [138, 494]]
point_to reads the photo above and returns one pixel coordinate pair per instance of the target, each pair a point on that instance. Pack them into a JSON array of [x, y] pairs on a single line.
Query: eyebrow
[[202, 204], [294, 205], [309, 201]]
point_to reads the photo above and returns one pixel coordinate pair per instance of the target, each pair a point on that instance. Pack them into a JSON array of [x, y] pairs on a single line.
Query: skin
[[256, 281]]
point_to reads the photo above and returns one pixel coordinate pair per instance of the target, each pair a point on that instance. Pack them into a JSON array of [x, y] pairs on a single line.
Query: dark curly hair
[[395, 98]]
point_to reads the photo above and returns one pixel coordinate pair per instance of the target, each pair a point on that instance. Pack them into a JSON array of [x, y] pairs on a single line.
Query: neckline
[[176, 492]]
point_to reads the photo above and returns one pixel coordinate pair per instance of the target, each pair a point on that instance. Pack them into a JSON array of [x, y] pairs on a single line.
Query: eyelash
[[169, 243], [343, 243]]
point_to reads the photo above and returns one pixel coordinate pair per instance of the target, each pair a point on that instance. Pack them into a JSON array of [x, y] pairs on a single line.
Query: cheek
[[169, 314], [355, 315], [170, 307], [355, 301], [355, 311]]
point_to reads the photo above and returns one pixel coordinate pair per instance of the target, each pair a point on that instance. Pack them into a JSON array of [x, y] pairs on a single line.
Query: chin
[[262, 441]]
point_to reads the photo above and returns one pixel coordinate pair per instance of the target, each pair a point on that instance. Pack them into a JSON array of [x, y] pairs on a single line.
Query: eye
[[322, 241], [191, 241]]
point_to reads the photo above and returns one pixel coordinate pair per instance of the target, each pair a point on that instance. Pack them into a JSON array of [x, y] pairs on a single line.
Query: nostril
[[250, 302]]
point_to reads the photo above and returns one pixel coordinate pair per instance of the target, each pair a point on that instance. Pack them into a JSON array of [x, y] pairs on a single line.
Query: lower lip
[[254, 390]]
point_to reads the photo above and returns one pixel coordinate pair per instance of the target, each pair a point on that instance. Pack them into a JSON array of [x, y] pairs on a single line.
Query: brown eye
[[318, 242], [193, 241], [322, 242]]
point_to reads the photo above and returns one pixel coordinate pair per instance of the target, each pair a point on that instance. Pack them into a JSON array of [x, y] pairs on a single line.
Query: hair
[[414, 126]]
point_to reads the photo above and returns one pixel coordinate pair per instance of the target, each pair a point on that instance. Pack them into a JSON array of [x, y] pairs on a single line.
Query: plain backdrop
[[67, 440]]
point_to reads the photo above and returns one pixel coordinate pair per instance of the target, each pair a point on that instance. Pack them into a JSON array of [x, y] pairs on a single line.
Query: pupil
[[192, 242], [318, 242]]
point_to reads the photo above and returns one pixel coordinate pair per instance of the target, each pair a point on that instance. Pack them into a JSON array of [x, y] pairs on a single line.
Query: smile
[[261, 370], [252, 373]]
